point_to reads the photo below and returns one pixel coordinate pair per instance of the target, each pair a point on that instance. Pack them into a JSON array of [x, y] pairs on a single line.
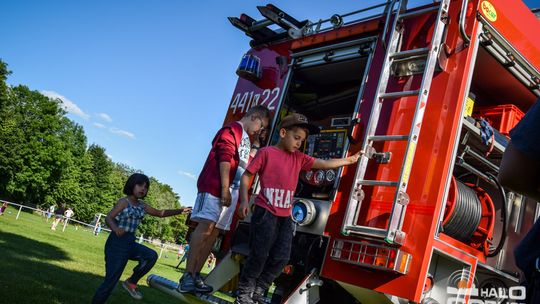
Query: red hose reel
[[469, 215]]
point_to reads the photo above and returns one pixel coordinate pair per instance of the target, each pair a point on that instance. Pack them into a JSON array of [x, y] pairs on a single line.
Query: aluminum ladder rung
[[399, 94], [388, 137], [365, 182], [418, 12], [410, 53]]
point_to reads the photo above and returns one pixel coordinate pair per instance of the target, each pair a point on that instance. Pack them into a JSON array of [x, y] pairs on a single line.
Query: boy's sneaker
[[200, 286], [244, 299], [186, 284], [258, 295], [132, 290]]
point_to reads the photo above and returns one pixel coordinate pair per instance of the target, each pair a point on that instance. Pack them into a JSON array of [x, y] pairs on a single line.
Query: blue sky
[[148, 80]]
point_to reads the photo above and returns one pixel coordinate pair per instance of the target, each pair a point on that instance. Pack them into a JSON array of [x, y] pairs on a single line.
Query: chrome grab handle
[[464, 35]]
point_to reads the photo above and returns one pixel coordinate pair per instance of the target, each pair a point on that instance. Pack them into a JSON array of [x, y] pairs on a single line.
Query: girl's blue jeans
[[118, 250]]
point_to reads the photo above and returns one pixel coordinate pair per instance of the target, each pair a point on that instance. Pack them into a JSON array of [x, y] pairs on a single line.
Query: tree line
[[45, 160]]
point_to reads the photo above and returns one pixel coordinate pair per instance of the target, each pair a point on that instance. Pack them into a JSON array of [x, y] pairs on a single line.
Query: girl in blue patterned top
[[123, 219]]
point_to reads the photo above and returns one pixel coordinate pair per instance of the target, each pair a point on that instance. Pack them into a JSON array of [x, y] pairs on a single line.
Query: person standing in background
[[68, 214], [3, 208], [58, 215]]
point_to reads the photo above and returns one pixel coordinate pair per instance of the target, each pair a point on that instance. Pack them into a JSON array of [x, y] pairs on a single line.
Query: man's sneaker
[[186, 284], [132, 290], [200, 286]]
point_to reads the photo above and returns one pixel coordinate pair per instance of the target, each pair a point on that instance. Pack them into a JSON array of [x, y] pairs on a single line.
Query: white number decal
[[243, 101], [250, 99], [255, 100], [234, 103], [247, 100], [266, 95], [271, 105]]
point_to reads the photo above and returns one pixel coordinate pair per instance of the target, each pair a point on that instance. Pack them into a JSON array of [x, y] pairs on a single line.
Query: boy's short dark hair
[[136, 179], [259, 110]]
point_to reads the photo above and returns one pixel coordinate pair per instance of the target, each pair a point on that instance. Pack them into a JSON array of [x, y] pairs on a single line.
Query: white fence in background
[[164, 246]]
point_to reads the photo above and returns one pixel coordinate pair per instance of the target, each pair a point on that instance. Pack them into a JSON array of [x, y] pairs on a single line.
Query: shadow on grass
[[13, 245], [32, 272], [182, 269]]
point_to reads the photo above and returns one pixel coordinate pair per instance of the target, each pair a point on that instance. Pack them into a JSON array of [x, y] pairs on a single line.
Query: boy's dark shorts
[[526, 135]]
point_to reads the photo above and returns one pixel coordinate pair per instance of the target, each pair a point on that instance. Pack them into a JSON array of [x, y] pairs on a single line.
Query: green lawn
[[39, 265]]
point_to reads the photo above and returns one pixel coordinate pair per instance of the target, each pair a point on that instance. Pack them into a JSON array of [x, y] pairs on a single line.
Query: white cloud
[[98, 125], [188, 175], [67, 104], [105, 117], [123, 133]]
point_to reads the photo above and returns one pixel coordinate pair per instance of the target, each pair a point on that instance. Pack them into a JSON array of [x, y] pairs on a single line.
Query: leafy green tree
[[45, 160], [9, 135], [179, 228], [150, 227], [32, 150], [104, 196], [73, 187], [4, 72]]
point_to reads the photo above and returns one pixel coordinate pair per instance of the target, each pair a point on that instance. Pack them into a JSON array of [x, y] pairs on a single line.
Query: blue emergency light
[[250, 67]]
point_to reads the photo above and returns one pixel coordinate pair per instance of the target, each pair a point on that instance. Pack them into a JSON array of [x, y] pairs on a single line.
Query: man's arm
[[224, 171], [245, 180], [520, 173], [226, 148], [520, 166]]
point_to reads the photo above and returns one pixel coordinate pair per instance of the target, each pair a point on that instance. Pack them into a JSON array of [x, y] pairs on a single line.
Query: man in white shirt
[[68, 214]]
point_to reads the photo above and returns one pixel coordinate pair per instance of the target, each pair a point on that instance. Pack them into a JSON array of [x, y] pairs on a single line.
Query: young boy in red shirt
[[271, 231], [218, 186]]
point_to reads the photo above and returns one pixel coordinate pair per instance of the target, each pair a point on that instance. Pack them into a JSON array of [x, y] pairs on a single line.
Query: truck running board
[[169, 287], [227, 269]]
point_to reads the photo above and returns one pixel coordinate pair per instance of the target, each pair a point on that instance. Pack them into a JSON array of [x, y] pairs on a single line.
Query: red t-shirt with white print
[[278, 174]]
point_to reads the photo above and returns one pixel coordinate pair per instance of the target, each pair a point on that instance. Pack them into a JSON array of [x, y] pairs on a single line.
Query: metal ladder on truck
[[393, 233]]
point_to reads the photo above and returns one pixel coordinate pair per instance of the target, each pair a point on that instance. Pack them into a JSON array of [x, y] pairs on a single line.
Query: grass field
[[39, 265]]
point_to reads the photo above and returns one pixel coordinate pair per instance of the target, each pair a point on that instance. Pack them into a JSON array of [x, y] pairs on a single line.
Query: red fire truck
[[430, 94]]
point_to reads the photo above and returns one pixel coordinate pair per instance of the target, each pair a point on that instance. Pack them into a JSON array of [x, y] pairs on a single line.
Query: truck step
[[409, 53], [388, 137], [365, 182], [399, 94]]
